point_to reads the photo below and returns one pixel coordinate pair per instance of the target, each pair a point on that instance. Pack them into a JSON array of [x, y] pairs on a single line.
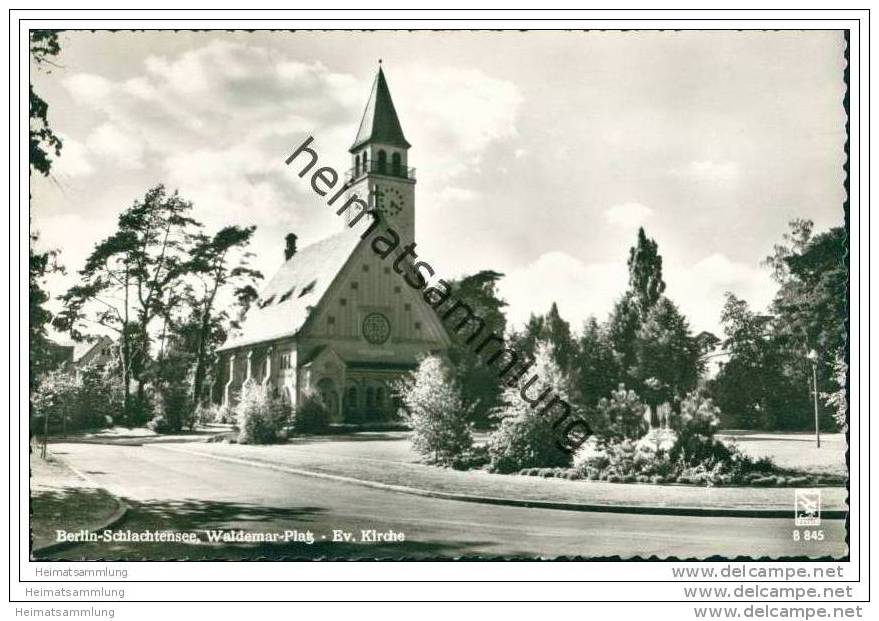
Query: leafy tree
[[761, 385], [765, 381], [645, 289], [525, 340], [170, 380], [43, 141], [526, 437], [667, 353], [741, 384], [811, 306], [645, 273], [436, 410], [64, 401], [595, 372], [480, 385], [218, 262], [245, 296], [43, 46], [793, 242], [552, 328], [838, 398], [130, 279], [54, 402], [622, 332], [100, 395], [557, 332], [41, 355]]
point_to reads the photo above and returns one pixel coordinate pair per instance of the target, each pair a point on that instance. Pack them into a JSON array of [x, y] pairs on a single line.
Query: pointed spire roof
[[380, 122]]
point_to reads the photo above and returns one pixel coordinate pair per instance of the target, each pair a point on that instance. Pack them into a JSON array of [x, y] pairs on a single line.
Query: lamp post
[[813, 358]]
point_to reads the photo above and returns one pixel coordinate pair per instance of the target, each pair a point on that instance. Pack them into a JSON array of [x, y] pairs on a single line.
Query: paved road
[[175, 491]]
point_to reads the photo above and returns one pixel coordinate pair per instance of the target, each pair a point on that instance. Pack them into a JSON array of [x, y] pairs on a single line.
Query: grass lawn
[[794, 450], [61, 500], [388, 458]]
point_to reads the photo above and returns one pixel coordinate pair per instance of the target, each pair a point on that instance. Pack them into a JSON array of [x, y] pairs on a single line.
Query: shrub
[[699, 416], [206, 413], [212, 413], [525, 441], [87, 401], [101, 399], [696, 426], [622, 416], [659, 440], [159, 424], [310, 416], [171, 404], [591, 454], [55, 401], [140, 410], [838, 399], [626, 461], [260, 416], [225, 415], [436, 412], [473, 458], [526, 437]]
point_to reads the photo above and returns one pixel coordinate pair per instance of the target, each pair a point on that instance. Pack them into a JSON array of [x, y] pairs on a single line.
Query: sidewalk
[[61, 499], [344, 461], [137, 436]]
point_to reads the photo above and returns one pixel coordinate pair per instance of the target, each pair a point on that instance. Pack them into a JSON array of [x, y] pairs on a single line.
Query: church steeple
[[380, 123], [380, 162]]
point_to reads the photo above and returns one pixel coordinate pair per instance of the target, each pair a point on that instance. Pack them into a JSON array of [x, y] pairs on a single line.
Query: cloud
[[455, 195], [124, 149], [69, 233], [217, 121], [74, 160], [432, 107], [583, 289], [628, 215], [89, 89], [578, 288], [707, 170], [699, 288]]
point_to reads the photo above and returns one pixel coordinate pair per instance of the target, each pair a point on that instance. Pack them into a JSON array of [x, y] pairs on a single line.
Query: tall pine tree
[[645, 273]]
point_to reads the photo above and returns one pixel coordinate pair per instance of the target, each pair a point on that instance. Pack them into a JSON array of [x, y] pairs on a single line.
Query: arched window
[[363, 163], [380, 397], [395, 165], [370, 397], [382, 162], [357, 165]]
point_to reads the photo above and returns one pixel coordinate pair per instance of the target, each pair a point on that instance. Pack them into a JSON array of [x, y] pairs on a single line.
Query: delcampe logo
[[807, 508]]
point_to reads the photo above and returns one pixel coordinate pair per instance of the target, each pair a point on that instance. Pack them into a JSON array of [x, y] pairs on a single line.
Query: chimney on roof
[[290, 246]]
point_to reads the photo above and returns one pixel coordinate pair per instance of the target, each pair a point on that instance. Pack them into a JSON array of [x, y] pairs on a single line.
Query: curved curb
[[517, 502], [115, 519]]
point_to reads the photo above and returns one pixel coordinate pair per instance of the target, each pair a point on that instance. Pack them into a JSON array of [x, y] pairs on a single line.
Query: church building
[[337, 320]]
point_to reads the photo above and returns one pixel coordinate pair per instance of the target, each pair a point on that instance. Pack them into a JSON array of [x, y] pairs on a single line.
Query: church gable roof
[[380, 123], [284, 304]]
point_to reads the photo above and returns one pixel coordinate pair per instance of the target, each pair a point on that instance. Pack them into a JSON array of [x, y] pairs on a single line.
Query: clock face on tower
[[389, 201]]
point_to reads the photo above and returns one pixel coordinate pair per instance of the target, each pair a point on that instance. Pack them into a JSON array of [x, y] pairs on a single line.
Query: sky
[[538, 154]]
